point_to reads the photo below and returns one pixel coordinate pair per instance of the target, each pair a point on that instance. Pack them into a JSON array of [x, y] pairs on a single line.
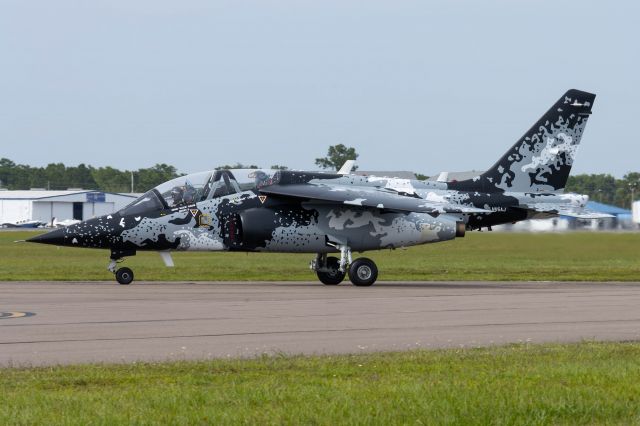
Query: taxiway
[[79, 322]]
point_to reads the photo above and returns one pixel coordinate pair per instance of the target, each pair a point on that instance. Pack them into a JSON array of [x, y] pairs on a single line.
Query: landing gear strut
[[328, 269], [363, 272], [124, 276]]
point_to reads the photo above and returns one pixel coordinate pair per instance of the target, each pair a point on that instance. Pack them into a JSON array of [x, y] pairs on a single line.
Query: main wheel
[[363, 272], [124, 276], [334, 277]]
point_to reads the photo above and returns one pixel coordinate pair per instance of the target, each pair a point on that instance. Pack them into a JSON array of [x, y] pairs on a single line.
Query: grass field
[[478, 256], [587, 383]]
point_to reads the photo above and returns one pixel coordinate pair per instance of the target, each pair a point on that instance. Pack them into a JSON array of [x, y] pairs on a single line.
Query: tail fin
[[541, 159]]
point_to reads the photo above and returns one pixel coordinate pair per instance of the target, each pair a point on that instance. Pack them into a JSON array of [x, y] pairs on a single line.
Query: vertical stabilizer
[[541, 159]]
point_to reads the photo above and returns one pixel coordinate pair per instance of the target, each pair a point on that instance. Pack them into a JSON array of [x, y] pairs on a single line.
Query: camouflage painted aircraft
[[325, 213]]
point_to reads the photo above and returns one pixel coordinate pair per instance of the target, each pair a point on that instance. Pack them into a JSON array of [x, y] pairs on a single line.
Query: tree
[[58, 176], [336, 156], [237, 166], [145, 179], [629, 187], [7, 173], [277, 167], [605, 188], [81, 177], [112, 180], [601, 187], [55, 177]]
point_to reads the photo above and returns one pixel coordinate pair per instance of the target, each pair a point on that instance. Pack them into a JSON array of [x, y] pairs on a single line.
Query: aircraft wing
[[566, 210], [366, 197]]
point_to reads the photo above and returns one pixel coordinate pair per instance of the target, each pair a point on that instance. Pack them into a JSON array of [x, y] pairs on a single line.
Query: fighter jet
[[333, 215]]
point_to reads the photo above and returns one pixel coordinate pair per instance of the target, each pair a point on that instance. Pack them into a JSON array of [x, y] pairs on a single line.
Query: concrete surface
[[105, 322]]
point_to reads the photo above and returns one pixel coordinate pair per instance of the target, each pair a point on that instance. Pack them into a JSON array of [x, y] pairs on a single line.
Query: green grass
[[587, 383], [479, 256]]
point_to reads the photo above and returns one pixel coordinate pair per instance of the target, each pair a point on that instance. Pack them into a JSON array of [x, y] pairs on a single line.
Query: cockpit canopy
[[196, 187]]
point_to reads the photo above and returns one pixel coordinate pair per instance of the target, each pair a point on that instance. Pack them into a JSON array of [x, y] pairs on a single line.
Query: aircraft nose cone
[[95, 233], [57, 237]]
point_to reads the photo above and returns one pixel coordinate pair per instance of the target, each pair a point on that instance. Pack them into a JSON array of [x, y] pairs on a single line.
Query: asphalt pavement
[[43, 323]]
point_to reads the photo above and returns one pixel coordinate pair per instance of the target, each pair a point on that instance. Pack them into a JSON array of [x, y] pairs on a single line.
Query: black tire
[[334, 277], [124, 276], [363, 272]]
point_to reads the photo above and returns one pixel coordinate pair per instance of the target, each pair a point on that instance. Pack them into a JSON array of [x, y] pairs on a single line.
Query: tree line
[[599, 187], [58, 176], [607, 189]]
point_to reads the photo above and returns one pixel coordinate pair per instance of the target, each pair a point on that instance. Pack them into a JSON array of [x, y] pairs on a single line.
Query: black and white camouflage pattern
[[540, 161], [311, 212]]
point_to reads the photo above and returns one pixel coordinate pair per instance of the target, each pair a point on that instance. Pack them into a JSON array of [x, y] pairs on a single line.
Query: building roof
[[607, 208], [40, 194]]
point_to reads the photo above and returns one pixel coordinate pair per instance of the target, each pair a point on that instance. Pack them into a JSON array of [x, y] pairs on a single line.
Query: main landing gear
[[363, 272], [124, 276]]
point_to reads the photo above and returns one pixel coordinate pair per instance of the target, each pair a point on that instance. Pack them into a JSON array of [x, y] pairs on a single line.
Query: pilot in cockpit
[[261, 178], [185, 194]]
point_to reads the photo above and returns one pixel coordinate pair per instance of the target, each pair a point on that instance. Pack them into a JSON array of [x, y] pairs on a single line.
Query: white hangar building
[[45, 205]]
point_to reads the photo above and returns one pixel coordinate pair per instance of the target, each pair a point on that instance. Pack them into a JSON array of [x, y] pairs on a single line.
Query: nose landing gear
[[124, 276]]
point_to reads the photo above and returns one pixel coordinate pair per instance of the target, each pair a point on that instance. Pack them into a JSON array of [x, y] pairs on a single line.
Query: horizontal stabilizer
[[367, 197], [566, 210]]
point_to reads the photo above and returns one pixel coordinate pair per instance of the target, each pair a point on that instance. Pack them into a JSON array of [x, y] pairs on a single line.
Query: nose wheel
[[124, 276]]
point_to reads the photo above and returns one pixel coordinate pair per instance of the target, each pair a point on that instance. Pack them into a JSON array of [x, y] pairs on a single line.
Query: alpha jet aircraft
[[326, 213]]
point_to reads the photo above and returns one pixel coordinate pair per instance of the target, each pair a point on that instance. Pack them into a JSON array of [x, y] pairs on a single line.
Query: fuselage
[[294, 211], [227, 212]]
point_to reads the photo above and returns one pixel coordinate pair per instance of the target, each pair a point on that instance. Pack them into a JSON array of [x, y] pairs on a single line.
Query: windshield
[[184, 190], [195, 187], [149, 201]]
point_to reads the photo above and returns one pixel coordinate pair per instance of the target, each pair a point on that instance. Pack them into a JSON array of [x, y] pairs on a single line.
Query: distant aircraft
[[62, 223], [325, 213], [24, 224]]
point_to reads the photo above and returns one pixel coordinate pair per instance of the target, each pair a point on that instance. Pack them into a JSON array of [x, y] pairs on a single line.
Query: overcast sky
[[422, 85]]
